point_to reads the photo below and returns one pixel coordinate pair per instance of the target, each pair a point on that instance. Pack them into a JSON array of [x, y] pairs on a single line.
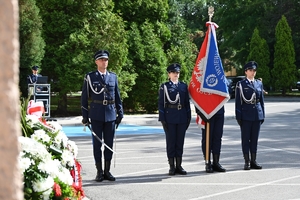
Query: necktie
[[103, 76]]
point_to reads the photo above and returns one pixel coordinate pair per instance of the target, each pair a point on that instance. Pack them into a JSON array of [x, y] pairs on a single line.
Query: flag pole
[[207, 149], [210, 12]]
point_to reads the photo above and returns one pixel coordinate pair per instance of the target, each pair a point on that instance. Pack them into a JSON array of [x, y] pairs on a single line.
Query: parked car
[[298, 85], [232, 81]]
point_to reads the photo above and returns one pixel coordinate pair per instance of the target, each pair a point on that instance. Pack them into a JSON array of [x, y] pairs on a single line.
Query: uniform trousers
[[105, 131], [175, 139], [216, 124], [250, 133]]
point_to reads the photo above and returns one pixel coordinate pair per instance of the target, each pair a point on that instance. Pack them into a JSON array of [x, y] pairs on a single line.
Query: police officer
[[250, 113], [32, 78], [216, 124], [105, 111], [175, 116]]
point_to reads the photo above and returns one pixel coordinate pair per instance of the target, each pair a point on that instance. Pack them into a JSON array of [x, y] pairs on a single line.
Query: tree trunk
[[283, 91], [62, 107]]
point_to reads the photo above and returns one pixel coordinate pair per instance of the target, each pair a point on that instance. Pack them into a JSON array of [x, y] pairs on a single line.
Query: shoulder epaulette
[[90, 73]]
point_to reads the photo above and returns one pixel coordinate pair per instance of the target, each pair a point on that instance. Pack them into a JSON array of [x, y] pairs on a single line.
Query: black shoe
[[247, 163], [247, 166], [99, 176], [108, 176], [172, 167], [172, 171], [208, 168], [218, 168], [180, 170], [216, 165], [255, 165]]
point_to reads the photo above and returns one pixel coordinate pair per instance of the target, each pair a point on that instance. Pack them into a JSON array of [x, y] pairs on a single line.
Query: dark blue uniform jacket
[[254, 111], [31, 79], [93, 84], [174, 115]]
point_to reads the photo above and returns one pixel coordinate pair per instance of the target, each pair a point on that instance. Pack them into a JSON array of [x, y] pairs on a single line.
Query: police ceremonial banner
[[208, 87]]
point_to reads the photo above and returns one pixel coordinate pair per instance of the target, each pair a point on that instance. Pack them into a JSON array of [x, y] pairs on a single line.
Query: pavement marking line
[[198, 184], [147, 171], [278, 149], [244, 188]]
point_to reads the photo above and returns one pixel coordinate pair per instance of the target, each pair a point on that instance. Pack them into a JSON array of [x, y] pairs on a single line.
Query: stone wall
[[10, 177]]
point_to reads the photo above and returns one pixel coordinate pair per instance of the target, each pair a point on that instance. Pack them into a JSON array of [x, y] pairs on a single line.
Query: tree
[[73, 31], [139, 11], [195, 15], [148, 33], [284, 71], [180, 48], [146, 52], [32, 43], [259, 52], [237, 20]]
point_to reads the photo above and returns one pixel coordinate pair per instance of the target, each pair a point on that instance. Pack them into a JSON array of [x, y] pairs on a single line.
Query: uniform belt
[[104, 102], [255, 102], [178, 106]]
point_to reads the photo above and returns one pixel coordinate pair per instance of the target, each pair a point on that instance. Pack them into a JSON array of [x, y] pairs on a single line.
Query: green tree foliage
[[146, 52], [73, 31], [194, 14], [180, 47], [237, 20], [31, 42], [292, 15], [148, 32], [158, 37], [61, 20], [140, 10], [259, 52], [284, 71]]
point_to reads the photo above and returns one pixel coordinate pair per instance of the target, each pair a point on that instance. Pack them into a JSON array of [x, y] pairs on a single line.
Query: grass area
[[293, 93], [74, 105]]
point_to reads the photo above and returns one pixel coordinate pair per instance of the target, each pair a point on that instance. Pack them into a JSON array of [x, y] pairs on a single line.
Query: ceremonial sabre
[[115, 143], [94, 134]]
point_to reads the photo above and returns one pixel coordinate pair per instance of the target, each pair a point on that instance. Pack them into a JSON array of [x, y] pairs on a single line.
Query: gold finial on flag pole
[[210, 12]]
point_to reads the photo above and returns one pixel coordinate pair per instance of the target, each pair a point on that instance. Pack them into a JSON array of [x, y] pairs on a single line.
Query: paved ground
[[140, 165]]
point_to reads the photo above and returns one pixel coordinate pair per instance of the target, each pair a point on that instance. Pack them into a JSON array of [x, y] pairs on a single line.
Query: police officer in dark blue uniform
[[216, 124], [175, 116], [105, 110], [32, 78], [250, 113]]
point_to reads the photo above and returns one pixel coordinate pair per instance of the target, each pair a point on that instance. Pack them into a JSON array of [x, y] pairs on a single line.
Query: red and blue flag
[[208, 88]]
